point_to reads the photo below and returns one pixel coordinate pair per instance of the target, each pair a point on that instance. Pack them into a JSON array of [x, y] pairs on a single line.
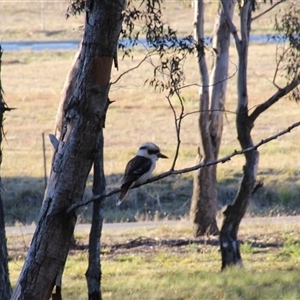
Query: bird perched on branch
[[139, 169]]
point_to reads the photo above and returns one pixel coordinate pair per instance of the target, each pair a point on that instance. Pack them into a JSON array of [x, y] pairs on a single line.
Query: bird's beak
[[160, 155]]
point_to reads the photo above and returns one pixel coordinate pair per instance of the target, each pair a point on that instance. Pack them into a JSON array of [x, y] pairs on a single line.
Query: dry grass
[[46, 20], [37, 20], [32, 82]]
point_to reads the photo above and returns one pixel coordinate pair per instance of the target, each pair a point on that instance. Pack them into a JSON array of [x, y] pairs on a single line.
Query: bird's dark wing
[[135, 168]]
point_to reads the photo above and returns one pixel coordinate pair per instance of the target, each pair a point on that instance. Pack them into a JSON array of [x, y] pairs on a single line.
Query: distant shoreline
[[73, 44]]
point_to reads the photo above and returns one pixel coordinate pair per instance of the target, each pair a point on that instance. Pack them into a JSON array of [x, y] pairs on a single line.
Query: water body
[[39, 45], [73, 45]]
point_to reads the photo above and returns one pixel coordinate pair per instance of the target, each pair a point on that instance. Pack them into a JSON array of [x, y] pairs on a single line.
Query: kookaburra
[[139, 169]]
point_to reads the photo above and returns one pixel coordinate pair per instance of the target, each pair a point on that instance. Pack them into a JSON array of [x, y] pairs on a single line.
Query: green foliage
[[76, 7], [288, 50], [161, 40]]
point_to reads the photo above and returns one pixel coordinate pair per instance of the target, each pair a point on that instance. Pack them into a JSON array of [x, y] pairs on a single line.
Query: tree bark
[[5, 287], [212, 98], [93, 273], [234, 213], [82, 118]]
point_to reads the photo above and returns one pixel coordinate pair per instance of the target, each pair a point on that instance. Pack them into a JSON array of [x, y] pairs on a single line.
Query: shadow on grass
[[165, 199], [145, 244], [23, 196]]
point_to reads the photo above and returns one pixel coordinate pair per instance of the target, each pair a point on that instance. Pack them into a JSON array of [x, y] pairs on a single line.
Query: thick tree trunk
[[234, 213], [212, 98], [5, 287], [93, 273], [83, 116], [204, 203]]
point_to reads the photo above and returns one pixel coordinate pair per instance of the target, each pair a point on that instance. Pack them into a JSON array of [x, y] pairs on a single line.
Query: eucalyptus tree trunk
[[212, 99], [5, 287], [234, 213], [93, 273], [85, 103]]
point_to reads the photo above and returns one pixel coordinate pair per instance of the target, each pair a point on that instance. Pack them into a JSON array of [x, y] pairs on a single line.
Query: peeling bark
[[212, 100], [82, 116]]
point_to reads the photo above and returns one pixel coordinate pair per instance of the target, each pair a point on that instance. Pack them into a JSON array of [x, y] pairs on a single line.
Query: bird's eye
[[152, 151]]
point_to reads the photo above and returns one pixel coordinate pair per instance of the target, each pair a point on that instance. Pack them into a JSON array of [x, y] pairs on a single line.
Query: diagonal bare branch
[[277, 96], [149, 54], [267, 10], [189, 169]]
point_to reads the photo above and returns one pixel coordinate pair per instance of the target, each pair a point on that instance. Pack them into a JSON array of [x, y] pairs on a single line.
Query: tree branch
[[211, 84], [277, 96], [266, 11], [231, 26], [279, 61], [187, 170], [135, 67], [177, 128]]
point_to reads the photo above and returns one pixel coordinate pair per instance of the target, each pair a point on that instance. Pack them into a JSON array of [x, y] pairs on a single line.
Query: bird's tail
[[122, 196], [124, 189]]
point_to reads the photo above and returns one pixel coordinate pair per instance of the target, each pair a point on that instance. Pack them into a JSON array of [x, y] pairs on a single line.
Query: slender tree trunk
[[196, 213], [234, 213], [5, 287], [93, 273], [212, 98], [83, 115]]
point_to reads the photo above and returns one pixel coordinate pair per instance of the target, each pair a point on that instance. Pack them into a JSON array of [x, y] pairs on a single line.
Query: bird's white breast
[[147, 175]]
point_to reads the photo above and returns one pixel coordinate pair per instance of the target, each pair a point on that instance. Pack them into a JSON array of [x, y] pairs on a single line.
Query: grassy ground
[[164, 263], [46, 20], [167, 263], [33, 81]]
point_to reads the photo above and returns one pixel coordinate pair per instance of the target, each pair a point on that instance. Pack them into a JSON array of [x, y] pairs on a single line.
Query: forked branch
[[231, 26], [272, 100]]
